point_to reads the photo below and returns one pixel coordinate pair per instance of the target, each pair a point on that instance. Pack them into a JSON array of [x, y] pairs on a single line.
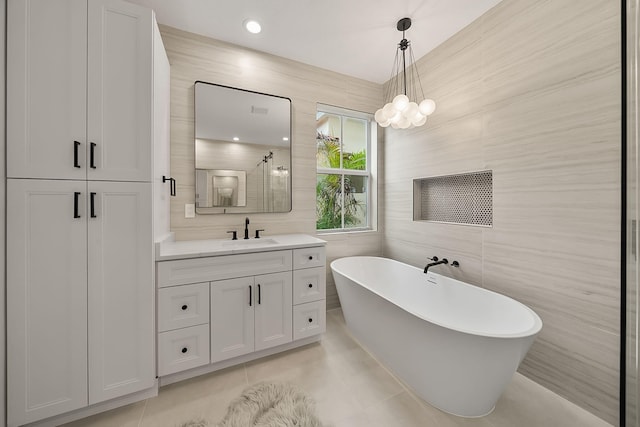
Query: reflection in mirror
[[222, 188], [242, 151]]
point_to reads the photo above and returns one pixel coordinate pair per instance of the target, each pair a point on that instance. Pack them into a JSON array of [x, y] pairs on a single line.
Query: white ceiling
[[353, 37]]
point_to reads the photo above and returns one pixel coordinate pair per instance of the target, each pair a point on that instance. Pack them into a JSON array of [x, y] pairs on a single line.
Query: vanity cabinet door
[[232, 315], [273, 324], [46, 299], [46, 88], [121, 289]]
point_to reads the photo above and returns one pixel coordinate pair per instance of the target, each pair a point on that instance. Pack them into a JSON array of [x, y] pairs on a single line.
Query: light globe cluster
[[403, 114]]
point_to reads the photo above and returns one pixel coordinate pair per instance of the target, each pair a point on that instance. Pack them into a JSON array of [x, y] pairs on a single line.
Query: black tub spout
[[435, 262]]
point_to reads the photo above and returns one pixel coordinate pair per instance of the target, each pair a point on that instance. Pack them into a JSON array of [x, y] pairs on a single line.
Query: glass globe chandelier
[[403, 111]]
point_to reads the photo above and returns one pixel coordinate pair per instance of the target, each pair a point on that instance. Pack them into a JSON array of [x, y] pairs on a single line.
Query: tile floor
[[350, 389]]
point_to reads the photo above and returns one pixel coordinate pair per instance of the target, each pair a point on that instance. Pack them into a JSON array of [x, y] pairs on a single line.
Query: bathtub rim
[[533, 331]]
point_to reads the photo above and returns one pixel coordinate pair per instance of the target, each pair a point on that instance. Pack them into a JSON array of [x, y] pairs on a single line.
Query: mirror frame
[[242, 209]]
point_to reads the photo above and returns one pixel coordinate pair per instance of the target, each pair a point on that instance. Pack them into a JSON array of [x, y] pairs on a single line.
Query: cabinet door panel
[[47, 290], [121, 291], [46, 88], [273, 324], [232, 311], [120, 89]]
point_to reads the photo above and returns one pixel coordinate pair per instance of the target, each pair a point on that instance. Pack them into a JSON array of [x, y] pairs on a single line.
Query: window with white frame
[[344, 175]]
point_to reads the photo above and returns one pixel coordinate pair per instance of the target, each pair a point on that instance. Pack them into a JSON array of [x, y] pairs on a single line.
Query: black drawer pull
[[184, 349], [259, 294], [250, 296], [92, 155], [310, 320], [311, 285], [184, 307], [310, 257], [76, 144]]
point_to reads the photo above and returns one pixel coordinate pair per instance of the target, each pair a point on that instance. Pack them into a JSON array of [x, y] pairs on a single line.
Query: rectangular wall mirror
[[242, 150]]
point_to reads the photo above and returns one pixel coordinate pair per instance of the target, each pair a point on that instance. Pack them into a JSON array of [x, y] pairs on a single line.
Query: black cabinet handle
[[310, 320], [259, 294], [310, 257], [93, 205], [185, 349], [184, 307], [92, 163], [250, 297], [76, 144], [311, 285], [76, 196]]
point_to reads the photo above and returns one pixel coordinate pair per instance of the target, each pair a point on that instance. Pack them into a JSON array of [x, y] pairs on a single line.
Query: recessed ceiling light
[[286, 138], [252, 26], [235, 138]]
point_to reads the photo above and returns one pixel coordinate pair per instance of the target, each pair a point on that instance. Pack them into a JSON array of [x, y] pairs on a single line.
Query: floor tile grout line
[[144, 409], [385, 399]]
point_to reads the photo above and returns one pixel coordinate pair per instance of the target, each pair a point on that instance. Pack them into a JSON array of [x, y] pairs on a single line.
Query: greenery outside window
[[343, 162]]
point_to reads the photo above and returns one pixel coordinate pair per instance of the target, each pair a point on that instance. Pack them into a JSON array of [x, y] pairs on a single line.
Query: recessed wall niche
[[458, 199]]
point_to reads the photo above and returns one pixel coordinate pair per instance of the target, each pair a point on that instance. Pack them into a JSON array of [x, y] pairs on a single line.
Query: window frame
[[368, 173]]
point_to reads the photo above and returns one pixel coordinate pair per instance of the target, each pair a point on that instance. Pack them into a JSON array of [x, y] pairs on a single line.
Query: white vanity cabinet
[[309, 292], [250, 314], [183, 327], [255, 298], [85, 80]]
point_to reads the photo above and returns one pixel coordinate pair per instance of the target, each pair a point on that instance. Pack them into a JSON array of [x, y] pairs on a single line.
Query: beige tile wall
[[194, 57], [531, 90]]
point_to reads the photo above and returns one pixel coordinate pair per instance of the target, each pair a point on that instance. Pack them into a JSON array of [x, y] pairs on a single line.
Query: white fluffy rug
[[268, 405]]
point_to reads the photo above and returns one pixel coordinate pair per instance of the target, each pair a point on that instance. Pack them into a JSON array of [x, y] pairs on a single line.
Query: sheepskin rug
[[268, 405]]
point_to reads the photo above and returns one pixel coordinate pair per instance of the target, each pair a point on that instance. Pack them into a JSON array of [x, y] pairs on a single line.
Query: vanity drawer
[[309, 284], [309, 257], [309, 319], [183, 349], [183, 306], [194, 270]]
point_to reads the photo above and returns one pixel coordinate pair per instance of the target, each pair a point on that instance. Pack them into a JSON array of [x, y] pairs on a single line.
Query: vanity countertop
[[169, 250]]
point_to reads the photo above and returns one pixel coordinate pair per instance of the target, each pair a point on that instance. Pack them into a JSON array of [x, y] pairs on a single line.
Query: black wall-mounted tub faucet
[[435, 262]]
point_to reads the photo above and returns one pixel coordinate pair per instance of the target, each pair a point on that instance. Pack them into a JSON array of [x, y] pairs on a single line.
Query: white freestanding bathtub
[[456, 345]]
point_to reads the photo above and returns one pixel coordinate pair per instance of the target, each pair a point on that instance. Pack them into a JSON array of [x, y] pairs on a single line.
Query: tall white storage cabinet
[[87, 114], [80, 85]]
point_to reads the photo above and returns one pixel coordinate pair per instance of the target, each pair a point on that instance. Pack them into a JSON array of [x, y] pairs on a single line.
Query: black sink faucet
[[246, 228], [435, 262]]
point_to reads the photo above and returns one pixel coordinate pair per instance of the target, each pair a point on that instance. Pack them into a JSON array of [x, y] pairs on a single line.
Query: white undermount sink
[[249, 242]]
